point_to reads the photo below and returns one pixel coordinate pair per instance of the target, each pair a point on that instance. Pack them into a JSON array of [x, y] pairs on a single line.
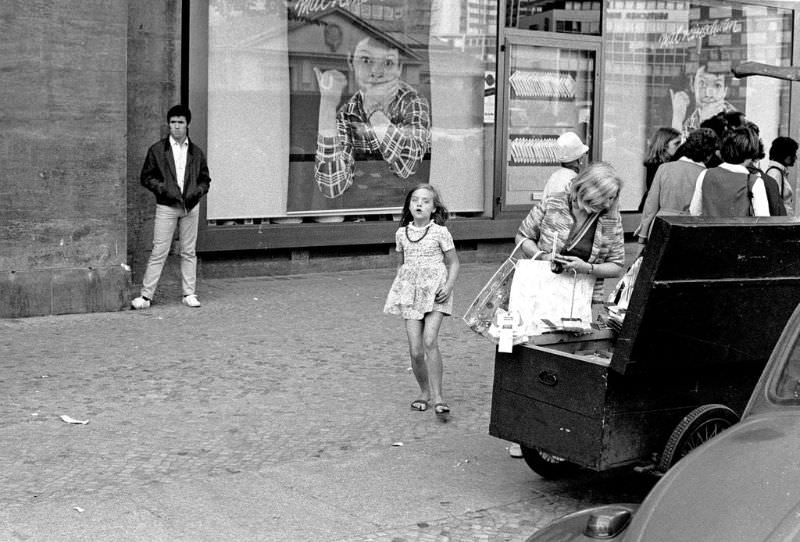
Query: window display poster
[[713, 40], [338, 108], [704, 86], [360, 113], [489, 96]]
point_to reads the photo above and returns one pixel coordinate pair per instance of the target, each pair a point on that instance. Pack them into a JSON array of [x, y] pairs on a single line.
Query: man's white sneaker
[[140, 303], [515, 450], [191, 301]]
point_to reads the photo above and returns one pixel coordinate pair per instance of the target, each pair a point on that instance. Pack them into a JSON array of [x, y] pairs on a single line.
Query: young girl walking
[[422, 291]]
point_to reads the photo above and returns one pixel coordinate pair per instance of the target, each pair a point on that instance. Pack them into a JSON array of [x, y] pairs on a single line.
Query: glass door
[[550, 88]]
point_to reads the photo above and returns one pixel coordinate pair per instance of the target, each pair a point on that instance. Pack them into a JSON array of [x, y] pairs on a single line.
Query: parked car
[[742, 485]]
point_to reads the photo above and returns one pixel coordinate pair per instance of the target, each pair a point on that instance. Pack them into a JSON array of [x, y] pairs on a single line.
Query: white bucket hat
[[570, 147]]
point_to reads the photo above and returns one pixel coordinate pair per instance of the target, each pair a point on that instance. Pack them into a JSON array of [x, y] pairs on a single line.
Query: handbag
[[547, 301], [493, 297], [782, 173]]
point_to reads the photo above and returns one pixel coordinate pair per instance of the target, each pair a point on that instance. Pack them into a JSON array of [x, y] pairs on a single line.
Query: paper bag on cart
[[547, 301]]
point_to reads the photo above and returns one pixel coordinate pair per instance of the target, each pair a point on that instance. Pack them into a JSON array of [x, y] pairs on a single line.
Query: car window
[[787, 389]]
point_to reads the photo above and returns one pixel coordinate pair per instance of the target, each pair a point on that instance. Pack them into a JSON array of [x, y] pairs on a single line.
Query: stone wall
[[154, 78], [63, 223]]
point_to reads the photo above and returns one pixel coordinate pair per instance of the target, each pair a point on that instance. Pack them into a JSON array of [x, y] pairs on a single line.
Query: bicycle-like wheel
[[700, 425]]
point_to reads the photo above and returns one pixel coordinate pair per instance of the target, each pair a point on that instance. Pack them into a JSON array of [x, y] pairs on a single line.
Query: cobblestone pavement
[[269, 373]]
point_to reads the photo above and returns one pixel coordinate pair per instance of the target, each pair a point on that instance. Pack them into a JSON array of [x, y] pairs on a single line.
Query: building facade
[[480, 90]]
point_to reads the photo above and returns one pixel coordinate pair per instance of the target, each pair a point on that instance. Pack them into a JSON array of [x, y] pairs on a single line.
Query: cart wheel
[[700, 425], [547, 465]]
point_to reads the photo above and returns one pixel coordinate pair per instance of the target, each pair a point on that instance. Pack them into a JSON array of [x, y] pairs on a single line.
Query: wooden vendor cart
[[709, 303]]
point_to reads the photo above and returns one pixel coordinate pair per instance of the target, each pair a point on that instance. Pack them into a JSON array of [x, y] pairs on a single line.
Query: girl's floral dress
[[423, 272]]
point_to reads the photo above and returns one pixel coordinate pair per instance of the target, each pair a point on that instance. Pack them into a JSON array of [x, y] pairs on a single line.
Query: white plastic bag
[[539, 294]]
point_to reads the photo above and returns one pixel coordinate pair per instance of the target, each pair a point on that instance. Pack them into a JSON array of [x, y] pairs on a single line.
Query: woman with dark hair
[[783, 155], [730, 189], [674, 183], [662, 149], [722, 123], [776, 206]]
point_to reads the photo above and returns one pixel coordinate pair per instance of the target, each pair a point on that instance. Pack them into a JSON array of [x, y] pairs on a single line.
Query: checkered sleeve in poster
[[334, 165], [408, 136]]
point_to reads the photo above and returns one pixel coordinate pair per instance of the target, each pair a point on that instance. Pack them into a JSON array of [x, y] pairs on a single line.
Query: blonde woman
[[584, 224]]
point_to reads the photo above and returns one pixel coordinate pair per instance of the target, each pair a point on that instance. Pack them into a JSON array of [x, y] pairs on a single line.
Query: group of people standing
[[719, 171]]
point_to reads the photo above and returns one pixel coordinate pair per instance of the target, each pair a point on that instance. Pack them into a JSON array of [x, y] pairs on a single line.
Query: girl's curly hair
[[440, 213]]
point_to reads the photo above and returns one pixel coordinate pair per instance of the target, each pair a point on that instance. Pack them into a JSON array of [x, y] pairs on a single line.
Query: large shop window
[[668, 63], [333, 109]]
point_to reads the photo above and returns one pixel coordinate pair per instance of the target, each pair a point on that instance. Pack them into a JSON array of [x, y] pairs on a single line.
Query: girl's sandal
[[420, 405], [442, 410]]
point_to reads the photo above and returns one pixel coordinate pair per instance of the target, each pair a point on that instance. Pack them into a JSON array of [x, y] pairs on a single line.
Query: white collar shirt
[[179, 152], [690, 161], [760, 202]]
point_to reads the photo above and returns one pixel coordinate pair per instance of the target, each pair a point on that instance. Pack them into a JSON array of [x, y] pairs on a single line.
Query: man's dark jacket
[[158, 175]]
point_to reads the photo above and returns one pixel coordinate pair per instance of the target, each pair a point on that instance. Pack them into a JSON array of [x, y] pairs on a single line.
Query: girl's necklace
[[427, 228]]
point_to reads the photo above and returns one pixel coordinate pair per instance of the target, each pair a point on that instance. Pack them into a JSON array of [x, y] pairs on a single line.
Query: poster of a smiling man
[[372, 133], [386, 118]]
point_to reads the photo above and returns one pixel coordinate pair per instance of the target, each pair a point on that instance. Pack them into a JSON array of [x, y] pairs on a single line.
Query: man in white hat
[[571, 151]]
